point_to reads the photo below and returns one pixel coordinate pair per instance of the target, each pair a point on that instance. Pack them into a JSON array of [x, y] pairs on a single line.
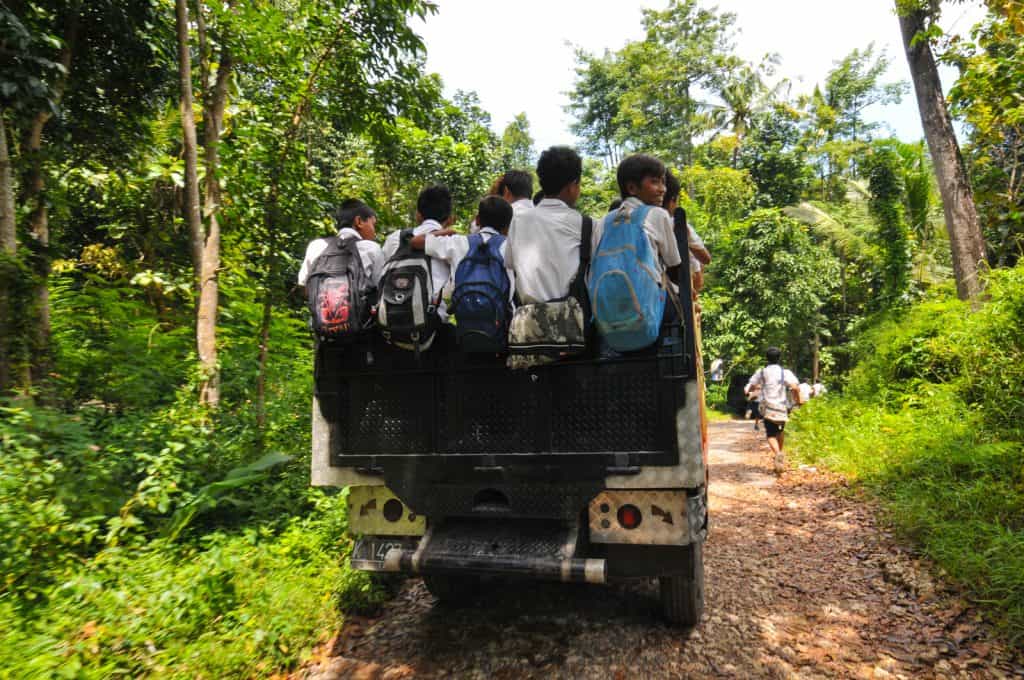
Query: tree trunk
[[206, 318], [965, 237], [814, 360], [261, 377], [34, 190], [8, 250], [188, 128]]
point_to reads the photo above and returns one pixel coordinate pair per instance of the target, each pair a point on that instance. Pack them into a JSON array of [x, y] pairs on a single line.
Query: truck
[[590, 469]]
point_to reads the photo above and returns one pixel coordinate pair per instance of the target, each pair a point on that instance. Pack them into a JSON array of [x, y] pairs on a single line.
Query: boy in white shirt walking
[[778, 387]]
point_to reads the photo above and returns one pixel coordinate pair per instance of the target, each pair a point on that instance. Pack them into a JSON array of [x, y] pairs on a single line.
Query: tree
[[775, 157], [645, 95], [686, 47], [595, 100], [991, 68], [769, 286], [965, 237], [517, 144], [744, 93]]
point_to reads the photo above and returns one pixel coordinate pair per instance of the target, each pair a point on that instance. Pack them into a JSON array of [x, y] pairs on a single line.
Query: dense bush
[[931, 422], [232, 605]]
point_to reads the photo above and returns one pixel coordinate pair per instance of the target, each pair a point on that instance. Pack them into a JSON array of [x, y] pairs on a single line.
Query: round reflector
[[630, 517]]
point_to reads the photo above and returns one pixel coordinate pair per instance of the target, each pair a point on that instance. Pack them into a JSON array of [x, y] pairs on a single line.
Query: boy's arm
[[448, 248], [420, 242]]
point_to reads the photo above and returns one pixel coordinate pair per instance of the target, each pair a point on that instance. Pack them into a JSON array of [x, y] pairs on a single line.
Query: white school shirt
[[544, 250], [369, 252], [657, 224], [693, 239], [521, 205], [805, 393], [453, 249], [774, 381], [439, 269]]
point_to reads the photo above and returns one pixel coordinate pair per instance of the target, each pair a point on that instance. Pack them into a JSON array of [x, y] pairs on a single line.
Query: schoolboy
[[353, 218], [433, 213], [516, 187], [494, 214], [544, 243], [699, 255], [641, 180]]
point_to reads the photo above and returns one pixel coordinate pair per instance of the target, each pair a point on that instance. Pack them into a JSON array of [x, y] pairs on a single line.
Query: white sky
[[518, 55]]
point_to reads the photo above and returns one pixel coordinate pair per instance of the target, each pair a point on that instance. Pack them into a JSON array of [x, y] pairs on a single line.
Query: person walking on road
[[778, 387]]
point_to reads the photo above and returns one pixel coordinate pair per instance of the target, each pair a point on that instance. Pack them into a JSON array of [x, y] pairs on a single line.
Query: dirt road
[[801, 582]]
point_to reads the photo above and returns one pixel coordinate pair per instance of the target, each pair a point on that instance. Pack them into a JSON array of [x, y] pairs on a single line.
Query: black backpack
[[407, 310], [338, 293]]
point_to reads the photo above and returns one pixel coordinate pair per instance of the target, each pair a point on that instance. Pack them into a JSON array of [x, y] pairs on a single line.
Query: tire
[[682, 595], [452, 590]]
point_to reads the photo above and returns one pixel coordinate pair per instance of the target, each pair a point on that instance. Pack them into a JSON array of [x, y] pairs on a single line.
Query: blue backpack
[[626, 295], [480, 300]]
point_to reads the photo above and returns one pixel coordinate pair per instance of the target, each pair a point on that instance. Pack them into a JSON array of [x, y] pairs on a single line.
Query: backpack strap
[[476, 245], [578, 285]]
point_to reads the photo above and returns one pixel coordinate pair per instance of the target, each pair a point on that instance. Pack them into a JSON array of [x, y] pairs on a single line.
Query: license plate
[[369, 553]]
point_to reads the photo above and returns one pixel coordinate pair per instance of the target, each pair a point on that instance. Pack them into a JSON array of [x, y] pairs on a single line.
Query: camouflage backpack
[[545, 332]]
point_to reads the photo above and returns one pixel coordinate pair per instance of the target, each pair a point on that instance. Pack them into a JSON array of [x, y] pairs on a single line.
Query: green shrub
[[236, 605]]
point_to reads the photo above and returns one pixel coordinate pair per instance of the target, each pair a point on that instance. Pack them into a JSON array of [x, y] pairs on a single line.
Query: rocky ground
[[802, 581]]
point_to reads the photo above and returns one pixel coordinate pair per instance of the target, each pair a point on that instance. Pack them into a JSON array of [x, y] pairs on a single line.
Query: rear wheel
[[453, 590], [682, 595]]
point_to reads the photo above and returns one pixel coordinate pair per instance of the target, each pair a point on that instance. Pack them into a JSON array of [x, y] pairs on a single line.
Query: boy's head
[[434, 203], [560, 169], [494, 212], [354, 214], [514, 185], [773, 355], [642, 176], [672, 188]]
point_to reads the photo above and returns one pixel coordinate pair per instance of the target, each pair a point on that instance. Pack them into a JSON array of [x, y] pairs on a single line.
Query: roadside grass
[[247, 604], [930, 426]]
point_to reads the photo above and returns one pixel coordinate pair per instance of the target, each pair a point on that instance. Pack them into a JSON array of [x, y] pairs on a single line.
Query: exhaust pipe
[[570, 570]]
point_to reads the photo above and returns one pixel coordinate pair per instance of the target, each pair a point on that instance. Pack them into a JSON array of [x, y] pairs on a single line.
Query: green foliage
[[930, 422], [517, 144], [245, 604], [775, 158], [722, 195], [886, 204]]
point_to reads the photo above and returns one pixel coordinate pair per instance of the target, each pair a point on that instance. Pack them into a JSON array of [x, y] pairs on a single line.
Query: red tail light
[[630, 517]]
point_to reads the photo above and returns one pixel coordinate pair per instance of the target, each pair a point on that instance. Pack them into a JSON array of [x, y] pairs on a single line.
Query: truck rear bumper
[[530, 548]]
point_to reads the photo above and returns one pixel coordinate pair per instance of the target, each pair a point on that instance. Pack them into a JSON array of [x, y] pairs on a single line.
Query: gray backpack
[[407, 310]]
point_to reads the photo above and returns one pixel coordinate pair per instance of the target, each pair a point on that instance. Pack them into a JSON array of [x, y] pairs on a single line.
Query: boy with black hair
[[698, 252], [641, 181], [778, 389], [494, 215], [353, 219], [516, 187], [433, 213], [544, 242]]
